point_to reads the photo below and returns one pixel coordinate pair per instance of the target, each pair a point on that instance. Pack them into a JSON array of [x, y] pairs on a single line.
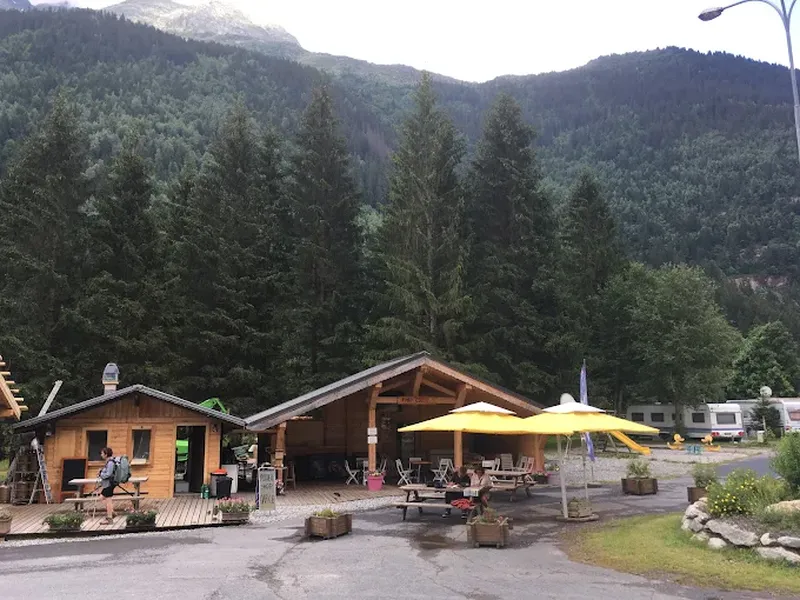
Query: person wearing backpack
[[108, 483]]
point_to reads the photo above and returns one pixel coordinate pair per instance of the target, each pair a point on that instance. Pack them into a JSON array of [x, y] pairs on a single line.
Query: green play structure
[[182, 446]]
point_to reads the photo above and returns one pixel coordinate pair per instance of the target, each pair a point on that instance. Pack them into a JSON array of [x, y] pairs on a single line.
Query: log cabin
[[141, 423], [358, 417]]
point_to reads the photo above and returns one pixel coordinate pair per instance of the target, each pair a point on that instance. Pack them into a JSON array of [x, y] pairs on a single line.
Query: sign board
[[265, 490], [372, 439], [372, 431]]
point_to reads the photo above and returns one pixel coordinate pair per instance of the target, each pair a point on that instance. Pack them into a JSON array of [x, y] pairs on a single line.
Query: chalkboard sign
[[72, 468], [265, 491]]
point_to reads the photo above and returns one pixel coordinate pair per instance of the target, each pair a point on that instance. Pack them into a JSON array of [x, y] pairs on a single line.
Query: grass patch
[[655, 546]]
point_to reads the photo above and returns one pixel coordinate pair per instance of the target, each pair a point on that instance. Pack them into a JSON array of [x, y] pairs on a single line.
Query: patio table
[[134, 497]]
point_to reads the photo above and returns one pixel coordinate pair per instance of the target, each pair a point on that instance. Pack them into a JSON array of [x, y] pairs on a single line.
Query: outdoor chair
[[506, 462], [441, 473], [352, 474], [290, 476], [522, 463], [382, 468], [403, 473]]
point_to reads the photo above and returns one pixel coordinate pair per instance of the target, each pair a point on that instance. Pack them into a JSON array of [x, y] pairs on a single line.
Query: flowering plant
[[233, 505], [375, 474]]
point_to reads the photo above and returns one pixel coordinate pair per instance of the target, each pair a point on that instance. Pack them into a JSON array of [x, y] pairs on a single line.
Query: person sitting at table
[[461, 479], [480, 479]]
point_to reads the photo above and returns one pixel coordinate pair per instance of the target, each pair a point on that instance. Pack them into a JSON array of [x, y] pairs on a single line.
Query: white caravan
[[722, 421], [788, 409]]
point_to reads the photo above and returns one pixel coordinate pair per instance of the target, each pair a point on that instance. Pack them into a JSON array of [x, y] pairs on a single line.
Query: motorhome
[[721, 421], [788, 410]]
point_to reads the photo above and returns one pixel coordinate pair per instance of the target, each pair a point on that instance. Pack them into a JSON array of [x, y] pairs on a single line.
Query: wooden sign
[[265, 490], [372, 431], [372, 439]]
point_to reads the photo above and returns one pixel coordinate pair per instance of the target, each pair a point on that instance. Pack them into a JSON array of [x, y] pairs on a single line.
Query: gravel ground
[[291, 512]]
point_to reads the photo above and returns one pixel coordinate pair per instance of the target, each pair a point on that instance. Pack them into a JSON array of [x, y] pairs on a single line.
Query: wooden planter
[[645, 486], [329, 527], [695, 493], [5, 527], [541, 479], [488, 534], [234, 517], [65, 529], [579, 508]]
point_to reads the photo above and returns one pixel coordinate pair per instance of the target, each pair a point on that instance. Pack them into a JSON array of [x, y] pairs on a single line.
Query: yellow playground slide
[[630, 443]]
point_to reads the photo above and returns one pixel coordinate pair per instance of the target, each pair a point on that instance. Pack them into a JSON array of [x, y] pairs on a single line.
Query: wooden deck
[[187, 510]]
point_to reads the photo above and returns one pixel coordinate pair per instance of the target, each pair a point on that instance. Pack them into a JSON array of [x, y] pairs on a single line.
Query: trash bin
[[224, 486], [215, 477], [760, 436], [233, 473]]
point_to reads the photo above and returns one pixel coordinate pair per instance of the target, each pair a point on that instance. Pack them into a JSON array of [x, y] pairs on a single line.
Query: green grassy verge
[[655, 546]]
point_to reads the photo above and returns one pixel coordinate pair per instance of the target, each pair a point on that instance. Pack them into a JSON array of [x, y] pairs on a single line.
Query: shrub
[[787, 460], [327, 513], [638, 469], [141, 519], [5, 514], [780, 521], [234, 506], [744, 493], [489, 515], [704, 474], [67, 520]]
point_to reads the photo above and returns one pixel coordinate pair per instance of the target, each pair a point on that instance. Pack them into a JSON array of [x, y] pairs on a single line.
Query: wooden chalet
[[359, 415], [11, 405], [142, 423]]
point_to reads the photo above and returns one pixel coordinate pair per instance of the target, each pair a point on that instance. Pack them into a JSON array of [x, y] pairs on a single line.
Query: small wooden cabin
[[143, 424], [358, 417]]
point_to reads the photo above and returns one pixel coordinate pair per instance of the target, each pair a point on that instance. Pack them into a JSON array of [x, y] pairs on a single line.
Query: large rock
[[779, 554], [692, 512], [716, 544], [701, 536], [789, 542], [768, 540], [686, 524], [696, 526], [733, 534], [702, 504], [787, 506]]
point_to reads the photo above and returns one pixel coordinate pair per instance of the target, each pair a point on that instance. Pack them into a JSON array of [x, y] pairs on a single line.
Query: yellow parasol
[[480, 417]]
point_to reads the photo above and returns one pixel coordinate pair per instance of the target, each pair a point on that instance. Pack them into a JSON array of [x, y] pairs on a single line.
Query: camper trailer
[[788, 409], [721, 421]]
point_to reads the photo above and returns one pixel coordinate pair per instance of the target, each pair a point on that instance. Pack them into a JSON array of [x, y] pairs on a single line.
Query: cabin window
[[96, 441], [726, 418], [657, 417], [637, 417], [698, 417], [141, 445]]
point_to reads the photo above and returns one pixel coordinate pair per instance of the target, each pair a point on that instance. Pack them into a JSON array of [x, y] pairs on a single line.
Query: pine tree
[[118, 315], [420, 301], [327, 270], [512, 255], [43, 244]]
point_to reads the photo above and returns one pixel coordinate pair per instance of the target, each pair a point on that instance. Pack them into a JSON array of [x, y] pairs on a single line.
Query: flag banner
[[585, 400]]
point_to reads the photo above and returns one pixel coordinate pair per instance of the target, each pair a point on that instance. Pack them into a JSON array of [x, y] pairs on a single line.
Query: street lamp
[[786, 18]]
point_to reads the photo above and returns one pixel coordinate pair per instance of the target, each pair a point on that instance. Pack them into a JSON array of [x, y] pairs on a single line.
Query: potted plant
[[329, 524], [141, 520], [704, 475], [579, 508], [374, 481], [488, 529], [639, 481], [542, 477], [232, 510], [65, 522], [5, 522]]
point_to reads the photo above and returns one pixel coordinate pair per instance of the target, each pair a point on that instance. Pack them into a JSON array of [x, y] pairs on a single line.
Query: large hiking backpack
[[122, 469]]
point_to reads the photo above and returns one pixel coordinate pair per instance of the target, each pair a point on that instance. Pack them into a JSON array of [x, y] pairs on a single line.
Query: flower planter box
[[645, 486], [65, 529], [234, 517], [542, 479], [695, 493], [579, 509], [139, 528], [5, 527], [488, 534], [374, 483], [329, 527]]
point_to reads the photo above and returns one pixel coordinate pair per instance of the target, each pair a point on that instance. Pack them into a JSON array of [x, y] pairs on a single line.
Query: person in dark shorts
[[107, 483], [461, 479]]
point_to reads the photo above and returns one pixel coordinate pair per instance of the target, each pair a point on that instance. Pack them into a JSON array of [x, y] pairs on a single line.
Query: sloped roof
[[116, 395], [369, 377], [7, 398]]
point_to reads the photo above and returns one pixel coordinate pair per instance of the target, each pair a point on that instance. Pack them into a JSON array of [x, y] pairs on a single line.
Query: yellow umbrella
[[480, 417]]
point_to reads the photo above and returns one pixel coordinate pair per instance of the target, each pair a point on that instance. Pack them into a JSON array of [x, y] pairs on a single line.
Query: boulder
[[686, 525], [779, 554], [703, 517], [789, 542], [768, 540], [701, 536], [716, 543], [787, 506], [702, 504], [733, 534], [696, 526], [692, 512]]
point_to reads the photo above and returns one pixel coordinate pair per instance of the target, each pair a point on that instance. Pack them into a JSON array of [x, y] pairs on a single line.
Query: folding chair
[[506, 462], [403, 473], [440, 474], [382, 468], [352, 475], [522, 463]]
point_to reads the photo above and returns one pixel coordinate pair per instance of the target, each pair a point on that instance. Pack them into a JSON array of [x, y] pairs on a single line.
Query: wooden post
[[372, 448], [280, 450], [458, 439], [539, 442]]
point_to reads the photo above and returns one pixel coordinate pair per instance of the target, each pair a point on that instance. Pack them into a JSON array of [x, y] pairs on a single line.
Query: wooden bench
[[512, 488], [420, 505]]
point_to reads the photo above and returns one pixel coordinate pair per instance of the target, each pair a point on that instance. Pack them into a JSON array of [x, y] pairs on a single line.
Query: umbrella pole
[[583, 458], [561, 477]]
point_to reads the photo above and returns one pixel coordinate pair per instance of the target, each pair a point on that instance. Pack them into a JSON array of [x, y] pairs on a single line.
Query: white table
[[81, 499]]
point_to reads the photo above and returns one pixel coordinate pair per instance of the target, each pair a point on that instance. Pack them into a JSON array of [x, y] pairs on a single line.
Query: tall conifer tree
[[419, 254], [327, 270], [511, 267]]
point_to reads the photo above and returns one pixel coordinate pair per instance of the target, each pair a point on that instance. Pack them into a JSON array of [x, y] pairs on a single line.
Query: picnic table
[[419, 494], [510, 481], [81, 499]]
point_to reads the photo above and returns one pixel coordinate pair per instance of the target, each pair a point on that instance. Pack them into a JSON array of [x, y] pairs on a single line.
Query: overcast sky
[[478, 40]]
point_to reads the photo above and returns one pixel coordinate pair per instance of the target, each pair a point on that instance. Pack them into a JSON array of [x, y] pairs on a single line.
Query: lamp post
[[786, 18]]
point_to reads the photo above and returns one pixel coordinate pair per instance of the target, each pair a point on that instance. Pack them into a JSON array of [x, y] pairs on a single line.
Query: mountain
[[15, 5], [695, 151]]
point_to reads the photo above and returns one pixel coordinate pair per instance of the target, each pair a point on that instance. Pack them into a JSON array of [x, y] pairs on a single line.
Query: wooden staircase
[[11, 405]]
